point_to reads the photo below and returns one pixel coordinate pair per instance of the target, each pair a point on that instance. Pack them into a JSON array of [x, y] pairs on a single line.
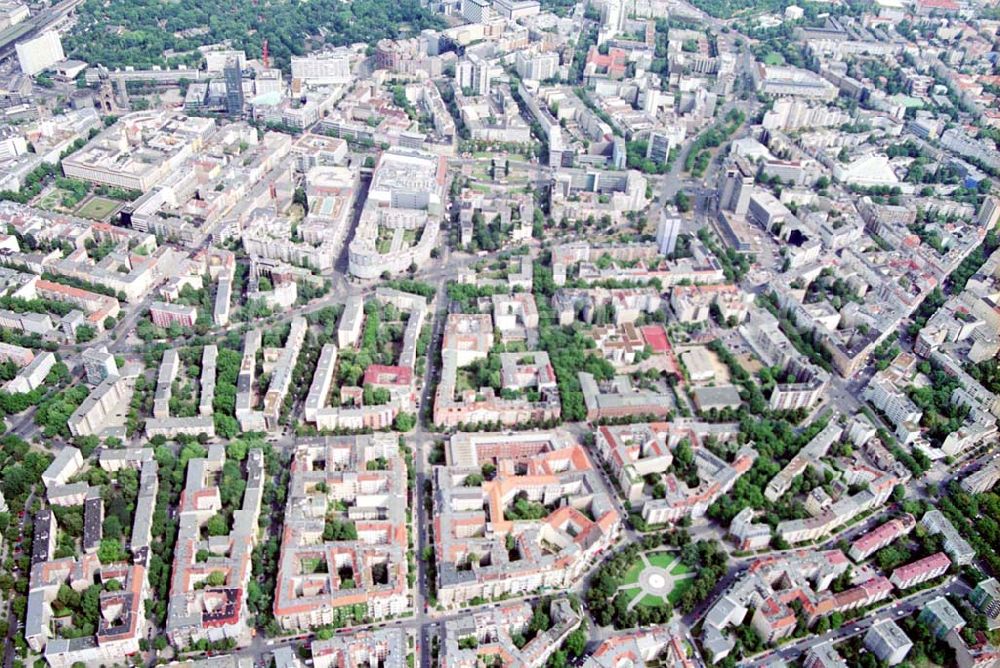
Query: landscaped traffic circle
[[654, 578]]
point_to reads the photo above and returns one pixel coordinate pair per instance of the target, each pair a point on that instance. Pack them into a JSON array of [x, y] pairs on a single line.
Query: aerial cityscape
[[489, 333]]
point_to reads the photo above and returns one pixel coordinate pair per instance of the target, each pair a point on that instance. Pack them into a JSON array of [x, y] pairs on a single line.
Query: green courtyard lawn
[[97, 208]]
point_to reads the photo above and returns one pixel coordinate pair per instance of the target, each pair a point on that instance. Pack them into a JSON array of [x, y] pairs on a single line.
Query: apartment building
[[383, 647], [164, 314], [664, 643], [880, 486], [33, 375], [984, 479], [942, 617], [140, 149], [986, 598], [888, 642], [529, 393], [122, 621], [958, 548], [881, 536], [399, 379], [633, 452], [281, 376], [64, 466], [323, 578], [494, 631], [98, 307], [106, 404], [693, 303], [619, 398], [249, 417], [806, 389], [402, 215], [749, 535], [811, 454], [164, 424], [921, 570], [771, 583], [99, 364], [546, 470], [197, 608]]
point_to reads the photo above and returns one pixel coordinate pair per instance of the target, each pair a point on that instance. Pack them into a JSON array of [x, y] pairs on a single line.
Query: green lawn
[[680, 569], [97, 208], [632, 574], [661, 559], [774, 58], [52, 200], [631, 592], [680, 587], [651, 601]]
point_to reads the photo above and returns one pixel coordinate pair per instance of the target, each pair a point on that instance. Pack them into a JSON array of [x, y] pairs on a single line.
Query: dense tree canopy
[[151, 28]]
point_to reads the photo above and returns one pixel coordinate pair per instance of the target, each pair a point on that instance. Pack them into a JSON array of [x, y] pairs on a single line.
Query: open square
[[654, 578]]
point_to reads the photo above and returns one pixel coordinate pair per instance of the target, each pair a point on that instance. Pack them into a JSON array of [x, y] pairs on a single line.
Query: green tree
[[216, 526], [110, 551], [682, 201], [576, 643], [112, 527], [85, 333], [404, 422]]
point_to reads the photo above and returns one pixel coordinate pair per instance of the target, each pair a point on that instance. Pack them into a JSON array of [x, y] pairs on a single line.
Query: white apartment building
[[40, 53], [537, 67], [323, 69]]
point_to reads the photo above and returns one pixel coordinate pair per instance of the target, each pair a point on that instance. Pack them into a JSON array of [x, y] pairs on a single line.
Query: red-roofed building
[[883, 535], [921, 570], [380, 375], [936, 7], [774, 620], [610, 66]]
